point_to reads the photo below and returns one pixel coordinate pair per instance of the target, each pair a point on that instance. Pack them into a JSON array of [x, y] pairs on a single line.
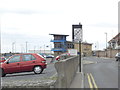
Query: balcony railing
[[58, 49], [58, 41]]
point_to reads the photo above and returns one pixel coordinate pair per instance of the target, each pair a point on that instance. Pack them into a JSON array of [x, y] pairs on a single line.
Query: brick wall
[[110, 53]]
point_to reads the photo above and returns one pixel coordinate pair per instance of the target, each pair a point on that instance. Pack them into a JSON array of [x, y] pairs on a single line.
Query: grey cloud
[[19, 11], [21, 38], [29, 11], [104, 25]]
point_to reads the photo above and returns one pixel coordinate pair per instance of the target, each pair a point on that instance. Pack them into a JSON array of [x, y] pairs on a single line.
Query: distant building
[[60, 43], [114, 43], [41, 51], [86, 48], [70, 45]]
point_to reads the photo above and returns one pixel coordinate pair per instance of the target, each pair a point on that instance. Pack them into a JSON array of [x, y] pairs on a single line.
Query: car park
[[2, 59], [23, 63], [43, 55], [49, 56], [62, 56], [117, 56]]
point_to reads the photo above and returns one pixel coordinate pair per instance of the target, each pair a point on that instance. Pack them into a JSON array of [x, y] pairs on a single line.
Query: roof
[[116, 37], [85, 43], [58, 34]]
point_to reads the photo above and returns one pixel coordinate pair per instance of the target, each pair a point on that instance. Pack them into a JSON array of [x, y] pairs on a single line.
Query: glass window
[[28, 57], [15, 59]]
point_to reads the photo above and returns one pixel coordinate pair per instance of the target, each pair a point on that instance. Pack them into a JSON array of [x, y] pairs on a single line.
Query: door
[[13, 64], [28, 62]]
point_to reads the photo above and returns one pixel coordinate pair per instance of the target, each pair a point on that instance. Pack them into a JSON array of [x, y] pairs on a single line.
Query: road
[[29, 78], [101, 73]]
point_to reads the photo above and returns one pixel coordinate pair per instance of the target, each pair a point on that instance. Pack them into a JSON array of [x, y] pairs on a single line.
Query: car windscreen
[[40, 56]]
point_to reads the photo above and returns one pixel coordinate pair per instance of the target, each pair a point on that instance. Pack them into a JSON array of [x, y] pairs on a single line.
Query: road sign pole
[[77, 37], [79, 56]]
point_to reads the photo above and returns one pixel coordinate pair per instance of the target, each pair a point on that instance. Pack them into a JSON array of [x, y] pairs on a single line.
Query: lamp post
[[106, 44], [13, 47], [40, 49], [26, 46]]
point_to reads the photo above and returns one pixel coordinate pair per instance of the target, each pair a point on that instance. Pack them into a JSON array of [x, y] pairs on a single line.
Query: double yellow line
[[91, 82]]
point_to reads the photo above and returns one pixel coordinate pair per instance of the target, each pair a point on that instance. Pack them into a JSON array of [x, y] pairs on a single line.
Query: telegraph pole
[[106, 44], [26, 46], [13, 47]]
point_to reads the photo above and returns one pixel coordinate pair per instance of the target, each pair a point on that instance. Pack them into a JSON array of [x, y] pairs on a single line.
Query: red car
[[2, 59], [23, 63]]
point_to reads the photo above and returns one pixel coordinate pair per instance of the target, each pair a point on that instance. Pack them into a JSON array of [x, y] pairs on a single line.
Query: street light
[[13, 47], [26, 46], [106, 44]]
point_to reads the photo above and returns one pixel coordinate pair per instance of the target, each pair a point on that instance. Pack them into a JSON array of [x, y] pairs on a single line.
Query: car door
[[28, 62], [13, 65]]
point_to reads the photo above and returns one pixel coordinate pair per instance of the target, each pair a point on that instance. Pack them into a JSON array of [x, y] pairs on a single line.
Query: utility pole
[[13, 47], [34, 49], [26, 46], [106, 44], [40, 49], [44, 48]]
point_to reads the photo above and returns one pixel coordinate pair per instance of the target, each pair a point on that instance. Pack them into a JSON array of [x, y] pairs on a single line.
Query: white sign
[[72, 52], [77, 34]]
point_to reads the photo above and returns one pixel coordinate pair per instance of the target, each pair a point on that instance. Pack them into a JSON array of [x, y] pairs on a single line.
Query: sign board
[[77, 33], [72, 52]]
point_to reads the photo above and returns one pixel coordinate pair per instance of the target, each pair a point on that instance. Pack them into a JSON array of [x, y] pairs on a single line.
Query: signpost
[[77, 38]]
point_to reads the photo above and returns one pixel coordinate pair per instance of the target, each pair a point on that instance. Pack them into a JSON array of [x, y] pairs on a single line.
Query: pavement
[[78, 81]]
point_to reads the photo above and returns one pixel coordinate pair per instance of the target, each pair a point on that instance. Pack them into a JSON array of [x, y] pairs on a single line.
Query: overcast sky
[[32, 21]]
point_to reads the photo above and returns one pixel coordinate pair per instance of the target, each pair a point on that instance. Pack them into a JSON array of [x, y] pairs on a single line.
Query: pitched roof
[[115, 38]]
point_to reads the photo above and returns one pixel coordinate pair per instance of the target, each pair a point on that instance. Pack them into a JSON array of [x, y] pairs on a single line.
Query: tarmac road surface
[[102, 73]]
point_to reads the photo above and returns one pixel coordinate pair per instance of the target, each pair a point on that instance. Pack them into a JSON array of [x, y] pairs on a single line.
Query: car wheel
[[37, 69], [2, 73], [116, 59]]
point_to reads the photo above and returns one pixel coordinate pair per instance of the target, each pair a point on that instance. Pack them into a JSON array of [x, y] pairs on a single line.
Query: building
[[41, 51], [70, 45], [86, 48], [60, 44], [114, 43], [112, 49]]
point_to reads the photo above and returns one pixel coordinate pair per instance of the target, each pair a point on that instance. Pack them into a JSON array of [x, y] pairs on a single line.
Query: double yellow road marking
[[91, 82]]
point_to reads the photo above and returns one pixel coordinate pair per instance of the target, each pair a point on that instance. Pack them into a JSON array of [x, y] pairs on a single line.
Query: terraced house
[[114, 43]]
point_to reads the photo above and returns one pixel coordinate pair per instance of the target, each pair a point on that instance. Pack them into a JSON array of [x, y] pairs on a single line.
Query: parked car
[[57, 58], [49, 56], [117, 56], [42, 54], [2, 59], [62, 56], [23, 63]]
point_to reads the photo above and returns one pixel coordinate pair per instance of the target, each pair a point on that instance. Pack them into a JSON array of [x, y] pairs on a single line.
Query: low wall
[[110, 53], [66, 70]]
